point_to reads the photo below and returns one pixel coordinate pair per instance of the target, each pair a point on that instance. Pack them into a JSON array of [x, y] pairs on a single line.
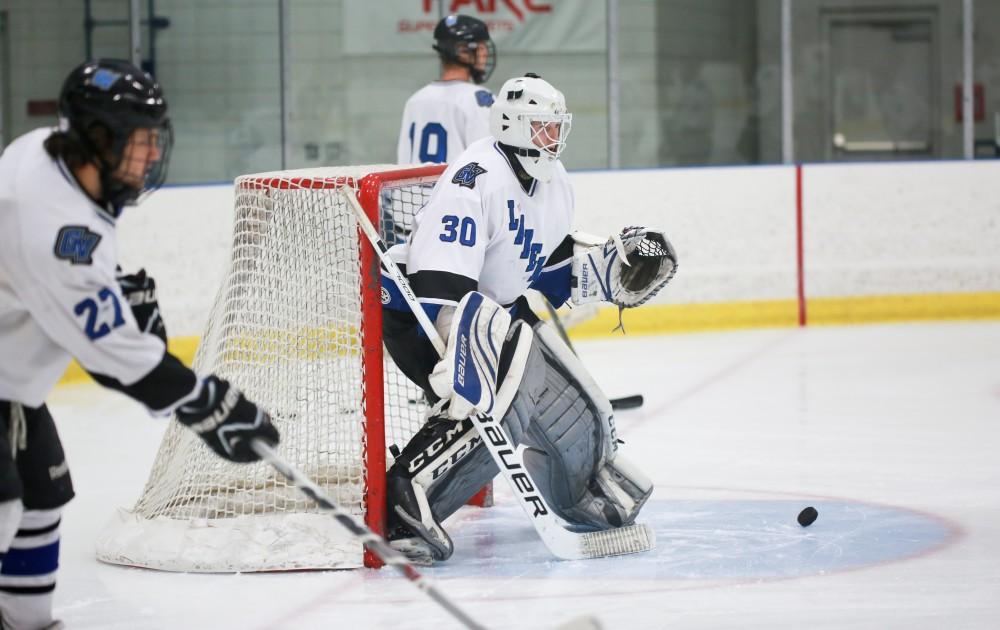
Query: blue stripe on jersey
[[432, 311], [554, 284], [31, 561], [392, 299]]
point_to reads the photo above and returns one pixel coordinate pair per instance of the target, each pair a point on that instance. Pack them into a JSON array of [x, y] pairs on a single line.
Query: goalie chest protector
[[481, 229]]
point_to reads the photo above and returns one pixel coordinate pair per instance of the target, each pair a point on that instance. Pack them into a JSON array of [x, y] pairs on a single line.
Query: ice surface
[[891, 432]]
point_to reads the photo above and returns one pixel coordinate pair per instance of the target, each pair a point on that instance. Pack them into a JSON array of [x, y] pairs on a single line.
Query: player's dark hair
[[72, 150], [458, 34]]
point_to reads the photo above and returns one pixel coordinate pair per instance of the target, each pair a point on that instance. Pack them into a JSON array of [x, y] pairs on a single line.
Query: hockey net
[[297, 326]]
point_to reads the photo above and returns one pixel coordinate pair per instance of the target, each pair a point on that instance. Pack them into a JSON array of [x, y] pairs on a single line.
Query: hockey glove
[[467, 374], [140, 291], [227, 421], [627, 270]]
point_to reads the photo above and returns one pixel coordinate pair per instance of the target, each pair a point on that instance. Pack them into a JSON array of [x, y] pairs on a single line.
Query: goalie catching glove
[[223, 417], [627, 270]]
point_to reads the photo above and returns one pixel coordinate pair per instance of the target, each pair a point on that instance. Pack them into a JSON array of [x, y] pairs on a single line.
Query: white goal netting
[[291, 326]]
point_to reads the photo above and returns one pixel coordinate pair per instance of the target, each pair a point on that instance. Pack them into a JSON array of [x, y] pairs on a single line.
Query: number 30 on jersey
[[462, 230]]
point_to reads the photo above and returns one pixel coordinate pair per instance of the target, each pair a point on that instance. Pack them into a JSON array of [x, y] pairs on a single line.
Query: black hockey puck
[[807, 516]]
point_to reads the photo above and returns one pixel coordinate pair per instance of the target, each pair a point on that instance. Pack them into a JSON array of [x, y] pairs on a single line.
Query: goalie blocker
[[546, 399]]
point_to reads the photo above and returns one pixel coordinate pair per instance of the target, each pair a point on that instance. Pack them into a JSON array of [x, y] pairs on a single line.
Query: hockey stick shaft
[[625, 402], [557, 322], [375, 543], [509, 459]]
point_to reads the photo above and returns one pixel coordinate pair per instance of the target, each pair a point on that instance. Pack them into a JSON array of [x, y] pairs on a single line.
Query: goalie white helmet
[[530, 115]]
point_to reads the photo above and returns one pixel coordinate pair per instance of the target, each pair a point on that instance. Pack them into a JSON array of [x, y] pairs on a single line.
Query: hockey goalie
[[498, 222]]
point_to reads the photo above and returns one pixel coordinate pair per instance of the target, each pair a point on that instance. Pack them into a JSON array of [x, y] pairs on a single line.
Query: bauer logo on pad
[[466, 176]]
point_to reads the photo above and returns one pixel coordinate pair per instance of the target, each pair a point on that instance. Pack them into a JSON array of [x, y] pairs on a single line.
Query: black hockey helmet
[[101, 104], [457, 34]]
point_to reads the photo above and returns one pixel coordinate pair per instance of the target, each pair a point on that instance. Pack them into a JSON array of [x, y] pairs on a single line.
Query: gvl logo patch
[[466, 176], [76, 243]]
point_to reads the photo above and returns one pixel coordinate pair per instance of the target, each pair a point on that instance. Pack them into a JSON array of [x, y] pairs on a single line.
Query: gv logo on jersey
[[466, 176], [525, 237], [76, 244]]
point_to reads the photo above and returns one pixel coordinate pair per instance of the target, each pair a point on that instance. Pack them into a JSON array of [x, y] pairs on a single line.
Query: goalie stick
[[625, 402], [562, 542], [378, 545]]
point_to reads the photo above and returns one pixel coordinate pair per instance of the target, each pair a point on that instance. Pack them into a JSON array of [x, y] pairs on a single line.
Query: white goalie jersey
[[59, 297], [441, 119], [481, 230]]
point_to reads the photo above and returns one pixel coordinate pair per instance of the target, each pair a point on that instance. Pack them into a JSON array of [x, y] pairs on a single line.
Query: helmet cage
[[120, 188], [466, 54], [548, 132]]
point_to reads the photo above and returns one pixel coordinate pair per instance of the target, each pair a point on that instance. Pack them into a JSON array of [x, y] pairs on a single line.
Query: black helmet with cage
[[459, 38], [102, 104]]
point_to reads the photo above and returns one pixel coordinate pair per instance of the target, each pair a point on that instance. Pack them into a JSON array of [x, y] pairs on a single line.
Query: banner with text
[[528, 26]]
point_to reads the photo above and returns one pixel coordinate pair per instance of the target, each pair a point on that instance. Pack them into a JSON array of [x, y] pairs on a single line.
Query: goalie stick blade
[[627, 402], [620, 541]]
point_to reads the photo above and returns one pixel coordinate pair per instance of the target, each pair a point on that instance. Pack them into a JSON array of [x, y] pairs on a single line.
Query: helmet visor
[[144, 159]]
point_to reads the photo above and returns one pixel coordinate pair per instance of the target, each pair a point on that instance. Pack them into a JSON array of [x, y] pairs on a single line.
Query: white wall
[[869, 229], [921, 227], [182, 236]]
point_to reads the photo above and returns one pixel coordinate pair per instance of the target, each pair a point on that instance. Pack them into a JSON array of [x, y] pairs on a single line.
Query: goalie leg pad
[[574, 455], [445, 463]]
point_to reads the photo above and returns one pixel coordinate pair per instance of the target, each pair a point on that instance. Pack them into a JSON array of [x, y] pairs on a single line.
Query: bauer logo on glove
[[627, 270]]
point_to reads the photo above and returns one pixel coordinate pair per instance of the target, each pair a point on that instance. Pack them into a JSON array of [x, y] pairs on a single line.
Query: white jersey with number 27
[[441, 119], [482, 230], [59, 297]]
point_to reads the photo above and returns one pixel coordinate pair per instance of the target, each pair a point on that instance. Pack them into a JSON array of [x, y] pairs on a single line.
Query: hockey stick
[[375, 543], [563, 543], [625, 402]]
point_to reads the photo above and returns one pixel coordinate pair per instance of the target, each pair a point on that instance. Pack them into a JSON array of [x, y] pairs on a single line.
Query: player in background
[[497, 223], [444, 117], [61, 192]]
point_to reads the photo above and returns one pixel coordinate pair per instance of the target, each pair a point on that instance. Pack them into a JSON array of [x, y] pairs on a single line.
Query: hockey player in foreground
[[61, 192], [444, 117], [497, 223]]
